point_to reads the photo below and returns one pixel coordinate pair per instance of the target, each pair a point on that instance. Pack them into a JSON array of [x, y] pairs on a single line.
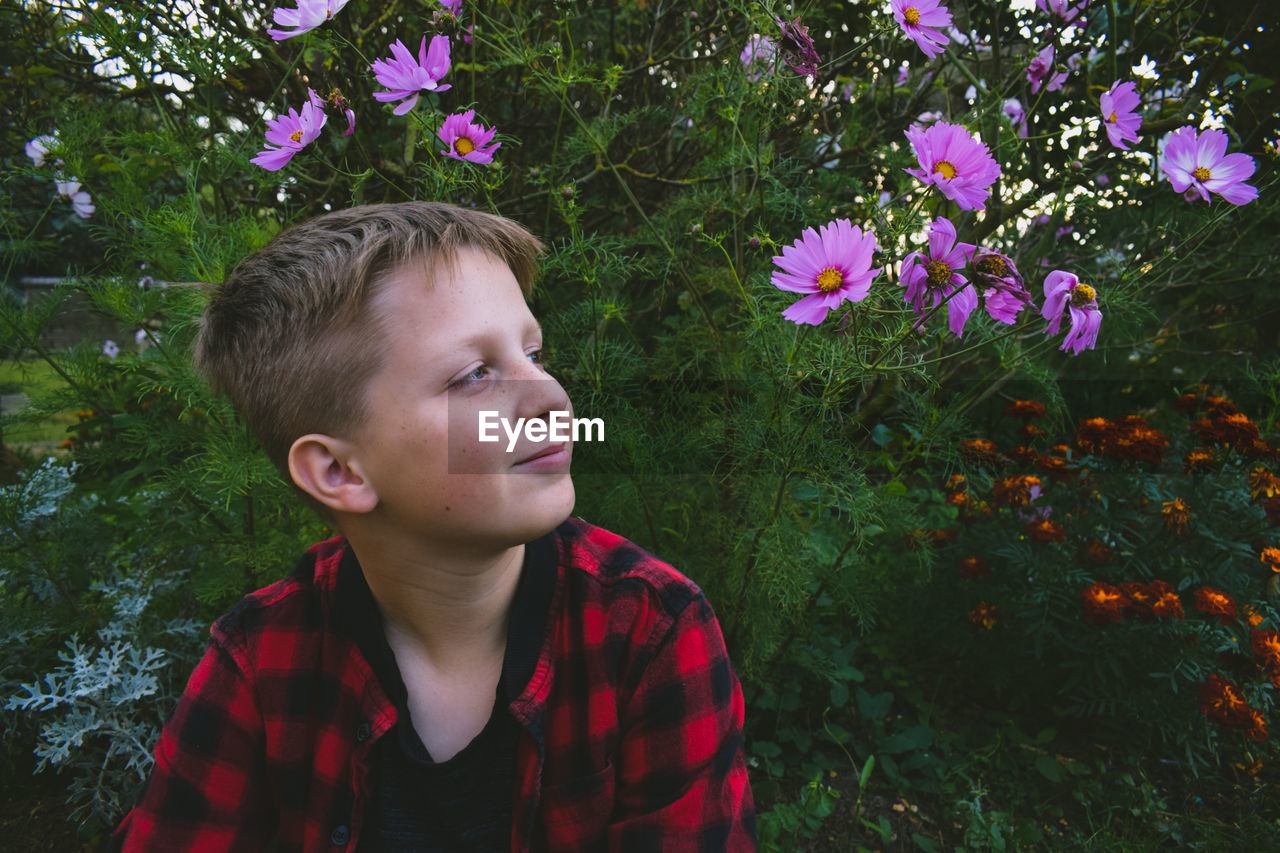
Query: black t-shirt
[[463, 804]]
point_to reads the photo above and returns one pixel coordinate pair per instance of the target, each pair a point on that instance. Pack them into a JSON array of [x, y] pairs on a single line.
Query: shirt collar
[[357, 614]]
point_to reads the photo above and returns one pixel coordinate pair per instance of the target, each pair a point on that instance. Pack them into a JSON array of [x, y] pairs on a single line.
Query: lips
[[552, 453]]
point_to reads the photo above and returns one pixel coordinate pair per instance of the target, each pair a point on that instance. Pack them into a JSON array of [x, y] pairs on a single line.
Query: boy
[[466, 667]]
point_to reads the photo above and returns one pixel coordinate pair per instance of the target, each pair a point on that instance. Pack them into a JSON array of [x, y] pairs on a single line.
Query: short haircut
[[291, 336]]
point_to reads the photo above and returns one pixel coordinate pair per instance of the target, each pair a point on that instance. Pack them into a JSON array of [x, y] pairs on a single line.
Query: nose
[[540, 394]]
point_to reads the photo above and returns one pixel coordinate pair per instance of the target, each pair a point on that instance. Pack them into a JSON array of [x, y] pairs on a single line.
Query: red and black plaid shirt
[[631, 724]]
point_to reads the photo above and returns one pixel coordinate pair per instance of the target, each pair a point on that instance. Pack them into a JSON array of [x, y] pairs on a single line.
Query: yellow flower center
[[993, 265], [939, 273], [829, 279], [944, 168], [464, 145], [1111, 119], [1082, 295], [1201, 174], [911, 15], [296, 136]]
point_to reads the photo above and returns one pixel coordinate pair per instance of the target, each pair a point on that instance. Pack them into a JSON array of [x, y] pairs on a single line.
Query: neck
[[448, 607]]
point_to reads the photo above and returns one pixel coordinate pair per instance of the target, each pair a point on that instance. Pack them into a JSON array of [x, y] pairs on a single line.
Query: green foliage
[[794, 472]]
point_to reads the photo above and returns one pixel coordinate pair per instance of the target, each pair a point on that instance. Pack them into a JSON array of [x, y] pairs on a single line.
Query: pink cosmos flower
[[924, 22], [309, 15], [759, 57], [1063, 10], [797, 47], [1041, 72], [931, 279], [831, 266], [1199, 165], [1006, 294], [39, 148], [291, 133], [1017, 115], [956, 163], [467, 140], [1120, 113], [81, 203], [1064, 290], [406, 76]]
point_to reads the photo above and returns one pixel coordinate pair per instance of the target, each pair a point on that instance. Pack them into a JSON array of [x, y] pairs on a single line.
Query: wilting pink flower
[[1041, 72], [1199, 165], [924, 22], [453, 7], [406, 76], [290, 133], [466, 140], [81, 203], [956, 163], [1119, 113], [904, 71], [931, 279], [38, 148], [338, 102], [1071, 14], [309, 15], [1005, 293], [797, 47], [1017, 115], [759, 57], [831, 266], [1064, 290]]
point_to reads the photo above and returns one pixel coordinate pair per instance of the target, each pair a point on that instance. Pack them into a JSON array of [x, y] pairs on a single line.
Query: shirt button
[[362, 732], [340, 836]]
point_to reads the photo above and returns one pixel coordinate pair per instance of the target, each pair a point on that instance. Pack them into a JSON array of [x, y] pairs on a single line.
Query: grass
[[32, 377]]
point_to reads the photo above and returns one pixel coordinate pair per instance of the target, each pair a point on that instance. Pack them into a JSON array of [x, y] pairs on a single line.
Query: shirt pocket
[[575, 814]]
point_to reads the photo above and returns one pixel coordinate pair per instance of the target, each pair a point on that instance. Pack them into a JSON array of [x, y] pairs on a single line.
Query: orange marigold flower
[[1271, 556], [1141, 598], [1251, 615], [1187, 403], [1044, 530], [1030, 431], [1167, 603], [984, 615], [1199, 459], [1215, 602], [944, 536], [1273, 675], [961, 499], [1233, 429], [956, 483], [1176, 515], [1015, 491], [1255, 725], [973, 567], [981, 451], [1025, 409], [1104, 603], [1222, 701], [1263, 484], [1259, 449], [1253, 768], [1093, 433], [1218, 406], [1266, 645], [1099, 553]]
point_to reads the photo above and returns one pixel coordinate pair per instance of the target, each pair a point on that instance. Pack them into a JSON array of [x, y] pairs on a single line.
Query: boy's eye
[[536, 356]]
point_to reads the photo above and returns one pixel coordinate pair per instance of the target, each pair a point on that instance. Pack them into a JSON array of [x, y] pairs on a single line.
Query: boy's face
[[463, 344]]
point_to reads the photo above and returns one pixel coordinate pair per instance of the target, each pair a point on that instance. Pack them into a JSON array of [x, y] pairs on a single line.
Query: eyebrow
[[473, 340]]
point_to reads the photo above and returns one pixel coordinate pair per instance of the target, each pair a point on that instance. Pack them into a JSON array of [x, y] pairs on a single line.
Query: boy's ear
[[325, 468]]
